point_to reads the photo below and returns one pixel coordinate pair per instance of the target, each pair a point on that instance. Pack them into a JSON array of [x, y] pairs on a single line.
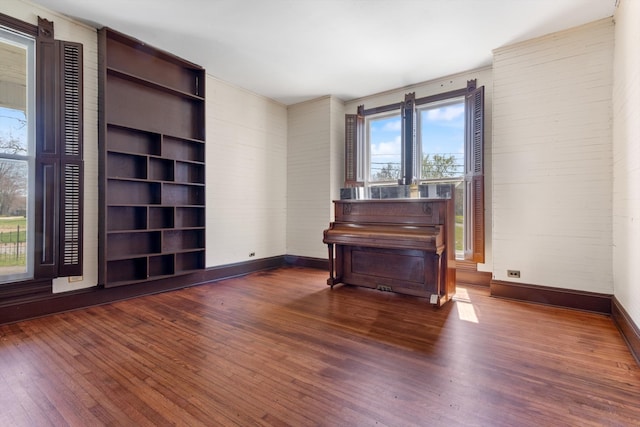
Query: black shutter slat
[[72, 98], [71, 217], [350, 154], [354, 130], [71, 184]]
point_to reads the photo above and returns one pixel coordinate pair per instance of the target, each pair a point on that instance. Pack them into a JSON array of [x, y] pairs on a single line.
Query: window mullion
[[408, 138]]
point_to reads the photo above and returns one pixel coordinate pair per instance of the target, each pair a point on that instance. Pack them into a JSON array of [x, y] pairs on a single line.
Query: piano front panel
[[410, 272]]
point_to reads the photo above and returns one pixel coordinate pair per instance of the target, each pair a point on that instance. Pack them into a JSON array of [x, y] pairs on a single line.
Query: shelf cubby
[[189, 261], [121, 165], [126, 218], [123, 192], [133, 141], [189, 172], [182, 240], [182, 149], [152, 65], [162, 265], [161, 217], [189, 217], [126, 270], [122, 245], [161, 169], [177, 195], [131, 104]]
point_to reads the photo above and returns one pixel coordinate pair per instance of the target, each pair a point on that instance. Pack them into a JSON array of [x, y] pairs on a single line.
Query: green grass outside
[[8, 234], [459, 233], [12, 261], [12, 222]]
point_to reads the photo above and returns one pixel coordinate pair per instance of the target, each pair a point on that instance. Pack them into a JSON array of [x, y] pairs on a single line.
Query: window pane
[[442, 141], [13, 221], [13, 98], [16, 157], [385, 148], [442, 150], [13, 131]]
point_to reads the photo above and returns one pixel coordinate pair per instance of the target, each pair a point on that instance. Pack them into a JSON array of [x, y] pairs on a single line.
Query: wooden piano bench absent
[[395, 243]]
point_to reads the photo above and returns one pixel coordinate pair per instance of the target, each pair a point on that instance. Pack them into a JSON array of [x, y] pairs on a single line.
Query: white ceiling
[[293, 50]]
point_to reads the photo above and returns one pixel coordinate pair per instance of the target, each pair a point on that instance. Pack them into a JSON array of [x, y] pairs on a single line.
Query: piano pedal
[[384, 288]]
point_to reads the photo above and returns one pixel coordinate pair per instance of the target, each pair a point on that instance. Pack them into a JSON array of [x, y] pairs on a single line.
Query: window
[[40, 153], [17, 153], [384, 138], [437, 138]]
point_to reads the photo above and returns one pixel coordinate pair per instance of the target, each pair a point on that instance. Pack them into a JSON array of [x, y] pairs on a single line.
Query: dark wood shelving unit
[[152, 169]]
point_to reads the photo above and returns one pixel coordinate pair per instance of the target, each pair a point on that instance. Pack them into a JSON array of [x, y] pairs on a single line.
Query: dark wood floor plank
[[280, 348]]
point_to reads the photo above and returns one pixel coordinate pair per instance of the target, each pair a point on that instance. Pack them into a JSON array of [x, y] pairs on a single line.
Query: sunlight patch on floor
[[465, 308]]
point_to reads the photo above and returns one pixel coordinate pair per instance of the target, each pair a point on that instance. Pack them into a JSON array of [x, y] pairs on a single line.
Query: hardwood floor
[[281, 348]]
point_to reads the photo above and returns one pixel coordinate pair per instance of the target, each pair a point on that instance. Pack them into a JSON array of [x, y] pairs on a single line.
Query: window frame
[[355, 151], [29, 158]]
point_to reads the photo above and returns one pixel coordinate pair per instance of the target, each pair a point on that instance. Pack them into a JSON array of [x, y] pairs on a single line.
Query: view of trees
[[12, 186], [390, 172], [434, 166], [13, 174], [440, 166]]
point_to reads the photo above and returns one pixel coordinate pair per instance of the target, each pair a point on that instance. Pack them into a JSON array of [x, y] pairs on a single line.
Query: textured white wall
[[552, 159], [246, 176], [309, 170], [336, 175], [626, 158], [67, 29]]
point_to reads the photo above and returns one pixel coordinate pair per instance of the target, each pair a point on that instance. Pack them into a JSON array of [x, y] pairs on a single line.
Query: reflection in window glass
[[16, 154], [385, 148]]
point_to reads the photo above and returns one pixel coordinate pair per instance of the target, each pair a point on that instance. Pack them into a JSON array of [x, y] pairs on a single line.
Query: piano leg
[[331, 279]]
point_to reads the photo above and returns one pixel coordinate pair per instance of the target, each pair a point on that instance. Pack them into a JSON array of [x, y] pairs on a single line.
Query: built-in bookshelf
[[152, 170]]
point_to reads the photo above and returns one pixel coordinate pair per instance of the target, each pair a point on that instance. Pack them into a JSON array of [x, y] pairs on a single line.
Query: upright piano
[[400, 245]]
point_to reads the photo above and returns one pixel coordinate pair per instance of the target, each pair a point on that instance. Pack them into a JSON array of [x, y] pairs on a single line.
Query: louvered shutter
[[354, 132], [474, 173], [71, 166], [59, 168]]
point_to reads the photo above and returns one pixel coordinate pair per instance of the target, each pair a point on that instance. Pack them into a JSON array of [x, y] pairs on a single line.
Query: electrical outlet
[[251, 254], [513, 273]]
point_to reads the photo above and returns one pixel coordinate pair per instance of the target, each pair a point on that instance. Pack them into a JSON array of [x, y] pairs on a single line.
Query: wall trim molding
[[467, 274], [628, 329], [567, 298], [41, 304], [302, 261]]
